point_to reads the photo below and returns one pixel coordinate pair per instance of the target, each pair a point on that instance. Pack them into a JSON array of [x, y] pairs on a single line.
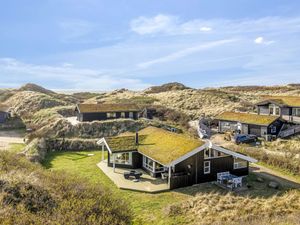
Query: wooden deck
[[146, 183]]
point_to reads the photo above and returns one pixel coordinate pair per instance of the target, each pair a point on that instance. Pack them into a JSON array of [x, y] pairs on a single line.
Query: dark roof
[[90, 108], [4, 108], [292, 101], [161, 145], [248, 118]]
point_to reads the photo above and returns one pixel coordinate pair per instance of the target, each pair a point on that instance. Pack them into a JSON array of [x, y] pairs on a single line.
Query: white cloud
[[185, 52], [159, 23], [167, 24], [206, 29], [75, 78], [259, 40]]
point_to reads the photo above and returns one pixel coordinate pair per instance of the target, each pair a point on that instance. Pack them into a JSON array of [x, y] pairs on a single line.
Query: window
[[206, 167], [124, 158], [111, 115], [273, 129], [211, 153], [130, 114], [123, 115], [271, 110], [148, 163], [277, 111], [152, 165], [239, 163], [296, 112]]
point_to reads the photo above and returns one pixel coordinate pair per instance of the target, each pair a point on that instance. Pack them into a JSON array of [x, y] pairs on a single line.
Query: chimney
[[136, 138]]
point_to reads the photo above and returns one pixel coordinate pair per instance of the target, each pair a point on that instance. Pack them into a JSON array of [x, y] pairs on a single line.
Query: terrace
[[145, 184]]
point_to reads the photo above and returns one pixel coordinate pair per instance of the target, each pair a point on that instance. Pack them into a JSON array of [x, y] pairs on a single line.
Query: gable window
[[273, 129], [211, 153], [239, 163], [111, 115], [206, 167], [124, 158], [123, 115]]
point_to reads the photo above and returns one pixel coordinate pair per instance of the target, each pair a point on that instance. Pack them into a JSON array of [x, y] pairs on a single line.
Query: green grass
[[147, 208], [16, 147]]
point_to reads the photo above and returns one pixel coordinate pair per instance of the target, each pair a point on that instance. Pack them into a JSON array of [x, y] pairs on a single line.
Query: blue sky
[[106, 45]]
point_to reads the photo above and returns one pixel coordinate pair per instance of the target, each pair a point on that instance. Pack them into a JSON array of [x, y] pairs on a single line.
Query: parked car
[[245, 138], [132, 173]]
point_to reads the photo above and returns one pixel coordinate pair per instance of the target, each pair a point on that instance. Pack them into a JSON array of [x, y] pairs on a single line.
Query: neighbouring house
[[249, 123], [92, 112], [287, 107], [4, 113], [179, 159]]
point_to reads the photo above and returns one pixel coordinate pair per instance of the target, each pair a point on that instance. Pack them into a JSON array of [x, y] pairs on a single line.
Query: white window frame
[[239, 165], [131, 115], [152, 167], [273, 129], [296, 112], [206, 167], [111, 115], [113, 158], [217, 154], [123, 115]]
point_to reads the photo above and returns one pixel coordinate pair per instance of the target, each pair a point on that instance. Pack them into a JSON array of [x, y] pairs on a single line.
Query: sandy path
[[9, 137]]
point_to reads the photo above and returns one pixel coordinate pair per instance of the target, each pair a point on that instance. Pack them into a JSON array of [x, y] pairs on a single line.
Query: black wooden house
[[4, 113], [183, 160], [93, 112]]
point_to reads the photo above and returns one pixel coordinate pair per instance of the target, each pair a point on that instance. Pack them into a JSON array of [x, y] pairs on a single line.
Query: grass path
[[275, 174]]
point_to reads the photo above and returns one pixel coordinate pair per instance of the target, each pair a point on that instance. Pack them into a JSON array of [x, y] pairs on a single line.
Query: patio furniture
[[164, 176], [229, 180], [133, 173]]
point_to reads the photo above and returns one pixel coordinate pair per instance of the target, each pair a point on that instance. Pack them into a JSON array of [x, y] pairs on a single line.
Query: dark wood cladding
[[3, 116], [194, 168], [88, 117], [137, 161]]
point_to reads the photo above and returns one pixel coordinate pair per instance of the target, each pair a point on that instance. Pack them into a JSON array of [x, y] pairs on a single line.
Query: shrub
[[30, 194]]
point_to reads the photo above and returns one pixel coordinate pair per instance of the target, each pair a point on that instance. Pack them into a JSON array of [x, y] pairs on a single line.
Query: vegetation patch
[[30, 194]]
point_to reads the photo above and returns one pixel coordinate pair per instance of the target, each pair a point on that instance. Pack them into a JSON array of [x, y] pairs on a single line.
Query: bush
[[30, 194]]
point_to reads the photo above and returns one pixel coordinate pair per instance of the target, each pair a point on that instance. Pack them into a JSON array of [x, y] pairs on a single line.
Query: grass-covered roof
[[94, 108], [161, 145], [248, 118], [283, 100]]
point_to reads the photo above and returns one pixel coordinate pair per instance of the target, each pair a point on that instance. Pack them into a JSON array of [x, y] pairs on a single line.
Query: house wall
[[223, 127], [278, 124], [263, 110], [3, 116], [137, 162], [193, 167], [88, 117]]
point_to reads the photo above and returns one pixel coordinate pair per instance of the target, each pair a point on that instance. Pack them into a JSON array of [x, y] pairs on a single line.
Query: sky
[[100, 45]]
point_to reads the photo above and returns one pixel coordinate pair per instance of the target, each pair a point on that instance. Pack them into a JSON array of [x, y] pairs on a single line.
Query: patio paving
[[146, 183]]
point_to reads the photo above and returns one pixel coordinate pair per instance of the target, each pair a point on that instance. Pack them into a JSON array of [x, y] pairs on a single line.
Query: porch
[[145, 184]]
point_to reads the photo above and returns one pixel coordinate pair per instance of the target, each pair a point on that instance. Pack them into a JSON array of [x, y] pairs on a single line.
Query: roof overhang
[[232, 153]]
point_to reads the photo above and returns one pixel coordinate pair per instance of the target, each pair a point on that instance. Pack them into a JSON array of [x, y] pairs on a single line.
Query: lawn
[[147, 208], [16, 147]]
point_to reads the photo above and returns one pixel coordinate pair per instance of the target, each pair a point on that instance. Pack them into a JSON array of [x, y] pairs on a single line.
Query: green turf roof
[[283, 100], [161, 145], [90, 108], [248, 118]]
